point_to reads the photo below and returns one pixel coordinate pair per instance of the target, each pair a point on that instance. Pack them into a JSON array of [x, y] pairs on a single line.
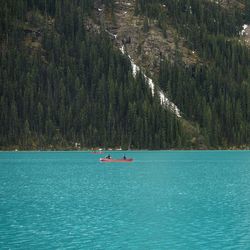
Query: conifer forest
[[61, 83]]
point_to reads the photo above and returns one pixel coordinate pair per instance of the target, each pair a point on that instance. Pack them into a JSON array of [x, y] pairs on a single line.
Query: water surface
[[163, 200]]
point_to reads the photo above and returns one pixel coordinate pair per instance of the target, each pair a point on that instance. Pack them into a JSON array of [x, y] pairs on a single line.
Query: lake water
[[163, 200]]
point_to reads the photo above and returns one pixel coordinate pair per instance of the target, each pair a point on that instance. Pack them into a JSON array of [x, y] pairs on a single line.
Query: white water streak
[[135, 69], [164, 100]]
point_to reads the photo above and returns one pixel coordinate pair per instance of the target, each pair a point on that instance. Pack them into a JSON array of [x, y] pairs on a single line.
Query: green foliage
[[60, 84], [75, 88], [247, 11], [145, 25], [216, 93]]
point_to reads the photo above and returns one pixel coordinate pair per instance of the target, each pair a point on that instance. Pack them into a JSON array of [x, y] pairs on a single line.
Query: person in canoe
[[124, 157], [108, 156]]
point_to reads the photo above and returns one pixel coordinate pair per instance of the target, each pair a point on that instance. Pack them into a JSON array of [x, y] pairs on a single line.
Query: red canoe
[[116, 160]]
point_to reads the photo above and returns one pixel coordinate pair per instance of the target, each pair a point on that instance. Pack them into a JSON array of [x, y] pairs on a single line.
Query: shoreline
[[89, 150]]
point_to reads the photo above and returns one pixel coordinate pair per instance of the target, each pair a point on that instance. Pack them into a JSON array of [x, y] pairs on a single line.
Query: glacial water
[[163, 200]]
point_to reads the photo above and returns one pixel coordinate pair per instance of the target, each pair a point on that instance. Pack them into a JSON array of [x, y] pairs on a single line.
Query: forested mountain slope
[[201, 61], [216, 92], [64, 80], [61, 85]]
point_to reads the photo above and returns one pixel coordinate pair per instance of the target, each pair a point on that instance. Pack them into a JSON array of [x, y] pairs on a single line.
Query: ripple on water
[[164, 200]]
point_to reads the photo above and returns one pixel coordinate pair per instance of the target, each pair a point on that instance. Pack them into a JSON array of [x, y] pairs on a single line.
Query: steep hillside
[[144, 40], [229, 3], [145, 48], [61, 86], [195, 51], [70, 74]]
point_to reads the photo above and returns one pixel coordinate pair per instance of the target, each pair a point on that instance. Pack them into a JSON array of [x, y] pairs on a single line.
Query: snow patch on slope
[[243, 32]]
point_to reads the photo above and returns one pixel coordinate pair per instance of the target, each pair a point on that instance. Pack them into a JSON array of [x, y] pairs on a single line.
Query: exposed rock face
[[147, 49], [229, 3]]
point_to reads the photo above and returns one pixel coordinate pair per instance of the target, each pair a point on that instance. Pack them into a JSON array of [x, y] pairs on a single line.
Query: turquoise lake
[[163, 200]]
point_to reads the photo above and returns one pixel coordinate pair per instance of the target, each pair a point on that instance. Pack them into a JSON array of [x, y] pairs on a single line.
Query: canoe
[[116, 160]]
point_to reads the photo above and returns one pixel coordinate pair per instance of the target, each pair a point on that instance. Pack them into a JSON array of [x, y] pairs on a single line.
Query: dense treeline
[[60, 84], [216, 92], [247, 11]]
